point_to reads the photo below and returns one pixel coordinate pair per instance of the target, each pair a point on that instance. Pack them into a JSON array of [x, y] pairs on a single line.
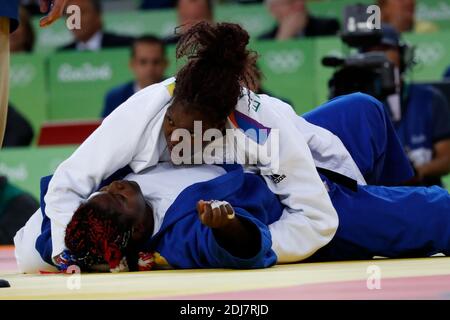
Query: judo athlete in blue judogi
[[182, 235], [377, 219]]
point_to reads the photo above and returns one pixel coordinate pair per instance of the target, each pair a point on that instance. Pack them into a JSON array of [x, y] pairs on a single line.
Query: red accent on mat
[[428, 287], [66, 133], [50, 272]]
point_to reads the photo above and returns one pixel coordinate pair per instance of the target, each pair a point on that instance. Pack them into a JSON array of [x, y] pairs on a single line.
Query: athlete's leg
[[365, 129], [389, 222]]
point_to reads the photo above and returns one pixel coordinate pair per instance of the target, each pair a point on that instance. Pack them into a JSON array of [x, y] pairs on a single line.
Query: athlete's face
[[123, 197], [182, 117]]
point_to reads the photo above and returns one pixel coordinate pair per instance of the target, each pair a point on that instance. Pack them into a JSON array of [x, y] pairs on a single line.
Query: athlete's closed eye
[[121, 198]]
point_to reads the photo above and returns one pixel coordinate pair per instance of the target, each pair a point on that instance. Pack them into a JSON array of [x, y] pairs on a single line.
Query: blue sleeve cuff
[[264, 258]]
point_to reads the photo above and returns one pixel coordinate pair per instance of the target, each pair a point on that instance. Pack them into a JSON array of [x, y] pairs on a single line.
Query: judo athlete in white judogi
[[374, 220]]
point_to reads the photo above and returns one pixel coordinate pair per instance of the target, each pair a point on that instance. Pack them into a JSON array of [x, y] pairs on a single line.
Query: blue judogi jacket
[[184, 242]]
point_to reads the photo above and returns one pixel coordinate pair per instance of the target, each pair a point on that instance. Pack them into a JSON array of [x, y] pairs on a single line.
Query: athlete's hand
[[215, 214], [56, 11]]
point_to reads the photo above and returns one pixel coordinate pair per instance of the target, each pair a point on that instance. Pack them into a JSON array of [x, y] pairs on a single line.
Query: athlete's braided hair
[[96, 235], [218, 65]]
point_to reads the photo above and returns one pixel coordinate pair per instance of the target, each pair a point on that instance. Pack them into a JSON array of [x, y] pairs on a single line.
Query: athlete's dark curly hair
[[218, 65]]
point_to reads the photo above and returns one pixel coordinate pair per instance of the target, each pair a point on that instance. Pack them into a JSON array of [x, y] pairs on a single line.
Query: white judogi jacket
[[132, 135]]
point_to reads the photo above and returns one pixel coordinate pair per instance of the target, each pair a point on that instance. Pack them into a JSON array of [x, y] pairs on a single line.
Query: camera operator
[[420, 114]]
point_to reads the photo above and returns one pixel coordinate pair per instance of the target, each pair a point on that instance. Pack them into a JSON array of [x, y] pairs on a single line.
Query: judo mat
[[427, 278]]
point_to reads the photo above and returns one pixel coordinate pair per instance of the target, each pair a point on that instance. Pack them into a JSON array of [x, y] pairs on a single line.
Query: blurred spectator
[[22, 40], [156, 4], [189, 13], [32, 6], [16, 207], [401, 15], [19, 132], [248, 1], [148, 63], [421, 116], [91, 37], [447, 74], [257, 87], [294, 21]]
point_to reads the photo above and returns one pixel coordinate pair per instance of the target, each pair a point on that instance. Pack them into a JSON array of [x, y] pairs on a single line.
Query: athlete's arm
[[309, 220], [56, 8], [125, 137], [238, 236]]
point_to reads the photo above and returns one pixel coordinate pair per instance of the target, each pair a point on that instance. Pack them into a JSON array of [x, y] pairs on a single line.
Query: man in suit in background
[[190, 12], [294, 21], [148, 63], [91, 36], [401, 14]]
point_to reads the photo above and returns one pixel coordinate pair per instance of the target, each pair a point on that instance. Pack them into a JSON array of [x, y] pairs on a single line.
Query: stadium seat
[[66, 133]]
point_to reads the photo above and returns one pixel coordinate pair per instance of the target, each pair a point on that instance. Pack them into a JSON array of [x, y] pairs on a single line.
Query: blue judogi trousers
[[379, 219]]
